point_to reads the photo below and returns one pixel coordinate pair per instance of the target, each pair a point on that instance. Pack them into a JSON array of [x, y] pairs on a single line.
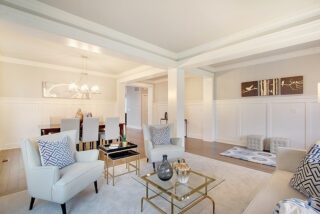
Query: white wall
[[133, 95], [22, 108], [193, 104], [294, 117]]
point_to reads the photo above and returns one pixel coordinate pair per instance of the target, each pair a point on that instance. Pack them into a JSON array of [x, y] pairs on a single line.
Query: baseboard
[[195, 135], [7, 146]]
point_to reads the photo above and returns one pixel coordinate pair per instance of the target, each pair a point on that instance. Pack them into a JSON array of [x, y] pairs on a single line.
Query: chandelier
[[81, 86]]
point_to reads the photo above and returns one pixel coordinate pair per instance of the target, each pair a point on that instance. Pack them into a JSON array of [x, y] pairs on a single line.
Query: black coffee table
[[128, 152]]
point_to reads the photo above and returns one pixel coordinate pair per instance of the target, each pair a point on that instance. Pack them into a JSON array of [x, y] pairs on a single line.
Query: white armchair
[[154, 153], [51, 184]]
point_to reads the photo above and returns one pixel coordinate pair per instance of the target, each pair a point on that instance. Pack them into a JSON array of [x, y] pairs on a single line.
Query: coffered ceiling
[[178, 25]]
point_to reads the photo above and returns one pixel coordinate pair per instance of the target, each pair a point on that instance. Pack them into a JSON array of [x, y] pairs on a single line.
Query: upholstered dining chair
[[90, 131], [71, 124], [112, 129], [155, 153], [59, 185]]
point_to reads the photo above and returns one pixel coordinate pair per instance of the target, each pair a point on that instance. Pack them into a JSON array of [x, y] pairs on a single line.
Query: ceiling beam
[[37, 15], [295, 36]]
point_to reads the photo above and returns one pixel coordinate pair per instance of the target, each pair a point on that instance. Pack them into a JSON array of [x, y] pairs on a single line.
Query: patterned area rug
[[265, 158]]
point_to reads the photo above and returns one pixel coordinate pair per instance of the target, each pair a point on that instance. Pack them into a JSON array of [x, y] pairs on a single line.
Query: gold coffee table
[[182, 196]]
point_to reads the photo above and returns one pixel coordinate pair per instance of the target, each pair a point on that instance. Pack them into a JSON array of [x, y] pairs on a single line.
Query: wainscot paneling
[[294, 117], [21, 117]]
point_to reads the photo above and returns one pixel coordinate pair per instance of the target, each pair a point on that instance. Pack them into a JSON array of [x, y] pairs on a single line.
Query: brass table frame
[[173, 197], [128, 164]]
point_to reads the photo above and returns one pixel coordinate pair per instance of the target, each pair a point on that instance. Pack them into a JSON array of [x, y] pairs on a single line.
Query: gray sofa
[[278, 188]]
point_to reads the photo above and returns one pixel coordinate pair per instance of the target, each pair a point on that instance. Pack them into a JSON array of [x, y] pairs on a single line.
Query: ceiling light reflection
[[83, 46]]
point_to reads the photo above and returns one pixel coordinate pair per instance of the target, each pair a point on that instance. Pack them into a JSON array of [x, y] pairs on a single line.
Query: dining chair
[[112, 130], [90, 131], [68, 124]]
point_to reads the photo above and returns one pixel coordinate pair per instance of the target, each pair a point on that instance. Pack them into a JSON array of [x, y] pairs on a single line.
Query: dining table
[[55, 128]]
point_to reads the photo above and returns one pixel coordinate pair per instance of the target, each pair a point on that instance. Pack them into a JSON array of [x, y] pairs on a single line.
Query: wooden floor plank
[[12, 175]]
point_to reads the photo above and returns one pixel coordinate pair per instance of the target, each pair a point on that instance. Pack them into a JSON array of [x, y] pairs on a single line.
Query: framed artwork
[[291, 85], [249, 89], [61, 90], [269, 87]]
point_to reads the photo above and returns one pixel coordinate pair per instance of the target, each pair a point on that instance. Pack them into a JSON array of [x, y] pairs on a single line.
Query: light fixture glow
[[83, 46]]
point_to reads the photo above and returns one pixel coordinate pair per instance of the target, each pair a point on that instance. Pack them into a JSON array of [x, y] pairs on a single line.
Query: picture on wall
[[61, 90], [249, 89], [269, 87], [291, 85]]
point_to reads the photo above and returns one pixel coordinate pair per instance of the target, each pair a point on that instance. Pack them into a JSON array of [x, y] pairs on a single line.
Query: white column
[[121, 93], [208, 117], [176, 101], [150, 105]]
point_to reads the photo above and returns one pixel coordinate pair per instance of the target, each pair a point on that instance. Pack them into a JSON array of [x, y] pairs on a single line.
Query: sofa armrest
[[148, 146], [176, 141], [288, 159], [87, 156], [41, 179]]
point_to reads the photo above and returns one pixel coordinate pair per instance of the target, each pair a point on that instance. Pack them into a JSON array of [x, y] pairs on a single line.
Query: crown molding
[[25, 62], [274, 58]]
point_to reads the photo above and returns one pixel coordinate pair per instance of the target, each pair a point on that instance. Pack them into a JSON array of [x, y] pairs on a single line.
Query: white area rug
[[231, 197], [265, 158]]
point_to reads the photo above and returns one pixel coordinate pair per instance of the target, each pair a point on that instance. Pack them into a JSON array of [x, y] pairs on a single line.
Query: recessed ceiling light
[[83, 46]]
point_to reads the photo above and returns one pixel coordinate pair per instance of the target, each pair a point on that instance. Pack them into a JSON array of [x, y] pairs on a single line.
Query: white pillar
[[208, 116], [121, 93], [150, 105], [176, 101]]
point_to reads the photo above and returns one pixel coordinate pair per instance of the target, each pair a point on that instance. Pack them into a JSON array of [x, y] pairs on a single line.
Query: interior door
[[144, 109]]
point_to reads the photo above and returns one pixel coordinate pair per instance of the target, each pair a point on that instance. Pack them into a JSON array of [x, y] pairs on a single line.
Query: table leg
[[112, 173], [172, 206], [139, 165], [107, 172]]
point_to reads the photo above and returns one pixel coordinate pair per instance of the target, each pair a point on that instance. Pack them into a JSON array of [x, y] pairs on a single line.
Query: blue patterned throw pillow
[[56, 153], [307, 177], [160, 135], [293, 205]]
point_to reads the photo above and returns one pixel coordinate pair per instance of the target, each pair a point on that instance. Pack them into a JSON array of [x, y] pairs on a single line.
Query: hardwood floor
[[12, 177]]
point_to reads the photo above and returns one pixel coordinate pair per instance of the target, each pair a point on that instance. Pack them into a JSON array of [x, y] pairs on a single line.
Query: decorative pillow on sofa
[[56, 153], [160, 136], [314, 203], [294, 206], [307, 177]]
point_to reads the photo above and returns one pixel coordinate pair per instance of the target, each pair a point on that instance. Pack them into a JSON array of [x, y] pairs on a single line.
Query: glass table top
[[197, 185]]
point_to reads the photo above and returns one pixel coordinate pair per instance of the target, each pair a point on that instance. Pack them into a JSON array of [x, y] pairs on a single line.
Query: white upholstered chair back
[[71, 124], [90, 129], [32, 163], [112, 129]]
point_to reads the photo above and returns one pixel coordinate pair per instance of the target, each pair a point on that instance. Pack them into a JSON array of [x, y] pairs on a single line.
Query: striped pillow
[[314, 203], [56, 153]]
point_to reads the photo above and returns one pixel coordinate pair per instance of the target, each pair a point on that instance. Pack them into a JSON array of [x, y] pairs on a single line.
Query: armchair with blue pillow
[[55, 171]]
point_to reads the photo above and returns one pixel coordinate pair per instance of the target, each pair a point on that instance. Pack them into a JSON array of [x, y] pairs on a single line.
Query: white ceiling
[[30, 44], [178, 25]]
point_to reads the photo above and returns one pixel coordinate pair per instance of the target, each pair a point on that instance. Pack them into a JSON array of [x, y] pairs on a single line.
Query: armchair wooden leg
[[147, 160], [63, 208], [154, 166], [96, 186], [31, 203]]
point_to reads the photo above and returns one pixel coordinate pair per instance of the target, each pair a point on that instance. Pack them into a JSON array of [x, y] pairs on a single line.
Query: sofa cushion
[[74, 178], [160, 135], [294, 205], [307, 177], [275, 190], [56, 152]]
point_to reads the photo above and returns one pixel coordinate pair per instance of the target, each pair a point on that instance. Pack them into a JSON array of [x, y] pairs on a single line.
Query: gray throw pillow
[[160, 135]]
